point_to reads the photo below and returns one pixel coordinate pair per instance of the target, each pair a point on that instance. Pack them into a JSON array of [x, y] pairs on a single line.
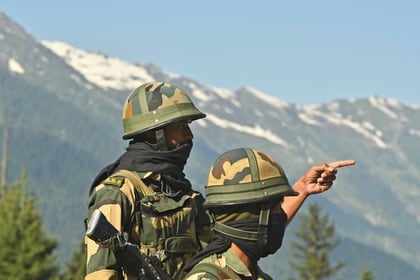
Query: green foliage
[[26, 252], [315, 241], [367, 274], [76, 268]]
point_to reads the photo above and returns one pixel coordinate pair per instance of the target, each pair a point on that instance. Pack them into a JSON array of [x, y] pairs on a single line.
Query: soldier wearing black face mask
[[145, 192], [251, 202]]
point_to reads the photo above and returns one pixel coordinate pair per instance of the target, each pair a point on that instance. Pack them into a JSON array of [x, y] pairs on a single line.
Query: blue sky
[[307, 52]]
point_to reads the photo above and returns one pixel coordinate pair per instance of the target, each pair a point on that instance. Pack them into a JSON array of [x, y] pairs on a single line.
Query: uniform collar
[[234, 262]]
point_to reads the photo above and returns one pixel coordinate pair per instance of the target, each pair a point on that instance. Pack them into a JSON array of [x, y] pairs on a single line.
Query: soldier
[[250, 199], [145, 192]]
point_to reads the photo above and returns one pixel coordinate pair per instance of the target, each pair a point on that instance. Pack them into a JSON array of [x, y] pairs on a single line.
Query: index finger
[[341, 163]]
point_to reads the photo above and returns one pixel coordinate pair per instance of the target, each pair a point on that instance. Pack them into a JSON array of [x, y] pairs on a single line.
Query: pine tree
[[76, 268], [367, 274], [315, 241], [26, 252]]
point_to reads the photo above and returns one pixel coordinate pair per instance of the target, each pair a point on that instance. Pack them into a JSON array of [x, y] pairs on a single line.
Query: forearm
[[292, 204]]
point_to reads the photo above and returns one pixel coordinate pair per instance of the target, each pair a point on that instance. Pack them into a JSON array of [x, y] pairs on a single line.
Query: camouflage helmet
[[154, 105], [245, 175]]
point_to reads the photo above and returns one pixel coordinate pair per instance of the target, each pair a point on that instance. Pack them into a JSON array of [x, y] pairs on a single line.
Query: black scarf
[[146, 157]]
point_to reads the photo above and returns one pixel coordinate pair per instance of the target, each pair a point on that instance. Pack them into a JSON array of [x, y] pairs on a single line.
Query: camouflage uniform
[[167, 226], [244, 190], [223, 266]]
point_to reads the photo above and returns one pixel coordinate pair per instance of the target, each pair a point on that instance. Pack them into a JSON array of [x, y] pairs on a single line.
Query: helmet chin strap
[[261, 236], [161, 140], [263, 225]]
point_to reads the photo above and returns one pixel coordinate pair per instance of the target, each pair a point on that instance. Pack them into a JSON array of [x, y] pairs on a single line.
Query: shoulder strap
[[135, 179], [102, 175], [215, 270]]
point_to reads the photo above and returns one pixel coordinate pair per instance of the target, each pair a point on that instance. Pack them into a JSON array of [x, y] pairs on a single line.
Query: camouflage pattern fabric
[[162, 226], [245, 175], [223, 266], [154, 105]]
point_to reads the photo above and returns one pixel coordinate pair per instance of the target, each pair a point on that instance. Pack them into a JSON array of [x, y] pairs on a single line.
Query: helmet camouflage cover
[[154, 105], [245, 175]]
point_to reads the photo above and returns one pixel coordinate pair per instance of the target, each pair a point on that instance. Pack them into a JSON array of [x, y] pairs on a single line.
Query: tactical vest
[[163, 227]]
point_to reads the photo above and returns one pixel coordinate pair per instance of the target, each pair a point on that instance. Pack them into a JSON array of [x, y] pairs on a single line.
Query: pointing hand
[[320, 177]]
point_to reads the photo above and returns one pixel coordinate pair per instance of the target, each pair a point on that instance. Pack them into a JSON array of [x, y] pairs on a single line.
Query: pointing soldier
[[251, 202]]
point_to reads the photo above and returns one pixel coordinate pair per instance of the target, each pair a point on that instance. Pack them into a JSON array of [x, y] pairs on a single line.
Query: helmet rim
[[254, 192]]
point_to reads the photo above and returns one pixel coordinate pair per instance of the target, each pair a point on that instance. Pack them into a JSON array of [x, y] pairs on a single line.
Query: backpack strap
[[135, 180]]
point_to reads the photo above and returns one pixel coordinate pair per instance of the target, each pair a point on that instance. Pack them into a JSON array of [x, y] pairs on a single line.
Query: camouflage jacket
[[223, 266], [161, 226]]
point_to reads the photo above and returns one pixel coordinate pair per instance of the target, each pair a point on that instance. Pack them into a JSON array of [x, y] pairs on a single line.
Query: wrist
[[300, 187]]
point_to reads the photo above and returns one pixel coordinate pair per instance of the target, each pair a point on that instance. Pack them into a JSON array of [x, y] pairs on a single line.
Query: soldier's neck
[[241, 255]]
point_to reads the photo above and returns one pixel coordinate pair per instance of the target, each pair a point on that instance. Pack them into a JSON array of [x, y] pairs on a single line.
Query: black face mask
[[276, 227]]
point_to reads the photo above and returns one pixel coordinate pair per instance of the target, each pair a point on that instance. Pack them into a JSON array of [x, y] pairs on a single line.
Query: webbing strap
[[137, 182], [234, 232], [263, 225]]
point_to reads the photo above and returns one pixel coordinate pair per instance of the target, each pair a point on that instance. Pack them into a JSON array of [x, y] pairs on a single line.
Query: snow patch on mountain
[[198, 93], [15, 66], [382, 105], [273, 101], [229, 95], [256, 130], [312, 115], [223, 93], [100, 69], [414, 132], [376, 219]]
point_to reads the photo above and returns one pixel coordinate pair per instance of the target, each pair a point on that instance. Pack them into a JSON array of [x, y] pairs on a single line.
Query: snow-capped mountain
[[113, 73]]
